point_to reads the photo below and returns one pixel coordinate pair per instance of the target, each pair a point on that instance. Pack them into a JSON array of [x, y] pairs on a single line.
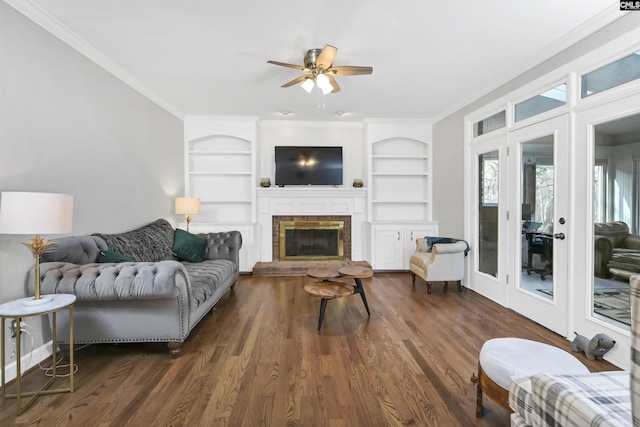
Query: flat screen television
[[308, 165]]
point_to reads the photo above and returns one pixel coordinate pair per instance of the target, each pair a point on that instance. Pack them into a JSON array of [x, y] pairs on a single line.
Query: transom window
[[611, 75], [548, 100]]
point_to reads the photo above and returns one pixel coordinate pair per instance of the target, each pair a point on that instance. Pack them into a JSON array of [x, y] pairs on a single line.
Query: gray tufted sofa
[[155, 298]]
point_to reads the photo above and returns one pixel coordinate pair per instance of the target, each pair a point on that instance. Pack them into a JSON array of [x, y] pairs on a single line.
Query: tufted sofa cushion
[[208, 276], [124, 281], [76, 250], [149, 243]]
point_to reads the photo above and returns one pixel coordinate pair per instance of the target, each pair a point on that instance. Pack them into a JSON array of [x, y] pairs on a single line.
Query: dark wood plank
[[259, 359]]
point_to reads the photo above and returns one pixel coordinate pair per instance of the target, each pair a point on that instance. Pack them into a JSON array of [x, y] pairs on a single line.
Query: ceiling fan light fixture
[[323, 83], [307, 85]]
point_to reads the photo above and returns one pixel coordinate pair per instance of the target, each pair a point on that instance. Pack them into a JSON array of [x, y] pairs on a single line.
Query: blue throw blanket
[[432, 240]]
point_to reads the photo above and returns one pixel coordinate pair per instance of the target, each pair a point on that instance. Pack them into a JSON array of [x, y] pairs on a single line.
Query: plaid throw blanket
[[597, 399]]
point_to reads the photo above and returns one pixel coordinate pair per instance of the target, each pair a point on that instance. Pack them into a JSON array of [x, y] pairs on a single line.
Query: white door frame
[[487, 285], [551, 313], [582, 227]]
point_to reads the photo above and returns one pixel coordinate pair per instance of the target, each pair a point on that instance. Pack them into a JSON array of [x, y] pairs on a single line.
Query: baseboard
[[28, 361]]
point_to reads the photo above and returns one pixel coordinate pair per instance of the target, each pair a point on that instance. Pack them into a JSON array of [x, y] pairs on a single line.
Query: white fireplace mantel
[[304, 200]]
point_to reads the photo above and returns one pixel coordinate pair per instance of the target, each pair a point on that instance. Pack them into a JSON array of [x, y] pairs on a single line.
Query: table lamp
[[187, 206], [35, 213]]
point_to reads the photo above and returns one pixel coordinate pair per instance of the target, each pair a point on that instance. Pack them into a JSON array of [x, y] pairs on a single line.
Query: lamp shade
[[35, 213], [187, 205]]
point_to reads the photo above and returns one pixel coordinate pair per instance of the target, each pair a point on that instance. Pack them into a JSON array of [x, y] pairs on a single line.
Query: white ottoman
[[502, 358]]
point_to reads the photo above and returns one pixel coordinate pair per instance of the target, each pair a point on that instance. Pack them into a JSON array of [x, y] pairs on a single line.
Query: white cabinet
[[393, 244], [387, 248]]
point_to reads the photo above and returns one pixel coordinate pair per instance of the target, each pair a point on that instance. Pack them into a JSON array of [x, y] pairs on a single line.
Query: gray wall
[[448, 133], [68, 126]]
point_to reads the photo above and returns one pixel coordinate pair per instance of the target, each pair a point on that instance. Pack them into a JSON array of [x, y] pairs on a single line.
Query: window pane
[[497, 121], [553, 98], [616, 253], [611, 75], [488, 212]]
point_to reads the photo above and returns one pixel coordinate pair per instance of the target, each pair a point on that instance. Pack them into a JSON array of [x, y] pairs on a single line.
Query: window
[[490, 174], [489, 124], [611, 75], [552, 98]]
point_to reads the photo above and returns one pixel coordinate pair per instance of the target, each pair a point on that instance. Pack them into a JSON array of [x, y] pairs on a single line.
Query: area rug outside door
[[612, 303]]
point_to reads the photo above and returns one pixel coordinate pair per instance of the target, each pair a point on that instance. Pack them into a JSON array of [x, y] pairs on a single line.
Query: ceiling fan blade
[[284, 64], [350, 70], [295, 81], [325, 59], [334, 83]]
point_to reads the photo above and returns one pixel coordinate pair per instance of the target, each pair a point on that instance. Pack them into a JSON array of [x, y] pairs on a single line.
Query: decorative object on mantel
[[187, 206], [265, 182], [35, 213], [358, 183]]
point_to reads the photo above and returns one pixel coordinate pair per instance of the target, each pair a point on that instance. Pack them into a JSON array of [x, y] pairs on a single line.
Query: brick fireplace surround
[[275, 227]]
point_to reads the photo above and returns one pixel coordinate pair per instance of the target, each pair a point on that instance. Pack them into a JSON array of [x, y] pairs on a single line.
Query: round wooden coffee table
[[328, 289]]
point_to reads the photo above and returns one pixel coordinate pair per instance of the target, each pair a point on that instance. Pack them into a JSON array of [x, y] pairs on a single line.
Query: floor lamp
[[35, 214]]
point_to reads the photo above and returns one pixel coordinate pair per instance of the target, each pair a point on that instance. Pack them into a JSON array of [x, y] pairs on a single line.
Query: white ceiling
[[429, 57]]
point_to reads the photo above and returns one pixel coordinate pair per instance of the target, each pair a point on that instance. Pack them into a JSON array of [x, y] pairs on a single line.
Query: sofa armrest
[[449, 248], [603, 250], [108, 281], [632, 241], [581, 400], [224, 245]]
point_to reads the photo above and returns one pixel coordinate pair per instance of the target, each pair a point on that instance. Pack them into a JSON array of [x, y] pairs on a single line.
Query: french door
[[539, 171], [489, 200]]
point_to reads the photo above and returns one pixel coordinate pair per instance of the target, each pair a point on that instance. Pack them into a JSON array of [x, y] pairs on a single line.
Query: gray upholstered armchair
[[441, 262], [616, 251]]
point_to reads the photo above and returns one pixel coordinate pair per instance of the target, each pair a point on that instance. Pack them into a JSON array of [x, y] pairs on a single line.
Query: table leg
[[18, 368], [323, 306], [359, 289], [71, 365]]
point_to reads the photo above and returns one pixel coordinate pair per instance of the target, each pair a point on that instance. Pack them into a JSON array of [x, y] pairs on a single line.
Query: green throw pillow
[[110, 256], [189, 247]]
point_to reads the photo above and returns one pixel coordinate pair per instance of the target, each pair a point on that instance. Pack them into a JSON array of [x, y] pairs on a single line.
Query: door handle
[[559, 236], [398, 235]]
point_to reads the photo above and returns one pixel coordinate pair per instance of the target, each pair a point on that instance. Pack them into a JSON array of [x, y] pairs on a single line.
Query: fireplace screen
[[311, 240]]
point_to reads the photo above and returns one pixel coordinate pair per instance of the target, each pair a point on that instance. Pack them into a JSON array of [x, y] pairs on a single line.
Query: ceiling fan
[[318, 66]]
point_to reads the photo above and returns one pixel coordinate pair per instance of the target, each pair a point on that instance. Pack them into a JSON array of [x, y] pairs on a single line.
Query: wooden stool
[[328, 289]]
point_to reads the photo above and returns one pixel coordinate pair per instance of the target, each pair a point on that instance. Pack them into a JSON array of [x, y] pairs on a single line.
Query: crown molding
[[32, 11]]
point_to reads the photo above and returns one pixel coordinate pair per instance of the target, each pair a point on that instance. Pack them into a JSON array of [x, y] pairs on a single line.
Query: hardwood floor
[[258, 360]]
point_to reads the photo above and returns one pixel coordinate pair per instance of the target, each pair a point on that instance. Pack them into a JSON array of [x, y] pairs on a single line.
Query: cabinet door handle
[[398, 235]]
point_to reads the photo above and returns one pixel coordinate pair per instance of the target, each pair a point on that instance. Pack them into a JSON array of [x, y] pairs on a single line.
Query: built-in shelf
[[222, 153], [399, 180], [399, 174], [220, 169], [397, 156], [220, 173]]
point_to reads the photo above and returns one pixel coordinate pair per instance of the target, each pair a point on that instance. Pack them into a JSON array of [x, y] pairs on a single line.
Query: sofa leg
[[174, 348], [459, 285], [428, 287], [413, 278]]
